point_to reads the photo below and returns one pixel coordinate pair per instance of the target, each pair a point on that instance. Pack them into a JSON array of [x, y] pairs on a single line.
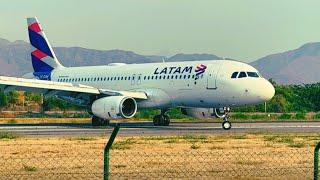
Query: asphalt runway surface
[[147, 129]]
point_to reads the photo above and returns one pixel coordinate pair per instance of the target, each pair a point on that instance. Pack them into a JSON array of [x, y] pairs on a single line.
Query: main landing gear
[[161, 120], [96, 121]]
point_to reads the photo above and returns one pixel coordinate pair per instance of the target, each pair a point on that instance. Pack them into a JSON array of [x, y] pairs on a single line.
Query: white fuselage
[[176, 84]]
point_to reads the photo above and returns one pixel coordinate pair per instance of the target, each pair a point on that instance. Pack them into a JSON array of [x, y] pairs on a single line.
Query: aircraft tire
[[226, 125]]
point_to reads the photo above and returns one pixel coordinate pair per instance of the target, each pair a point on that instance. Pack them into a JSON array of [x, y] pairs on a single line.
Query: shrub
[[259, 116], [285, 116], [317, 116], [7, 135], [300, 115], [240, 116]]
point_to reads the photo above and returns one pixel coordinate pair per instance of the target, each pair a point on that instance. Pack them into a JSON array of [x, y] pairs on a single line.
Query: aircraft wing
[[50, 88]]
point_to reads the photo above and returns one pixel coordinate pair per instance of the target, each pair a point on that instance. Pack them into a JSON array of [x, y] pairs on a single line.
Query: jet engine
[[204, 113], [114, 107]]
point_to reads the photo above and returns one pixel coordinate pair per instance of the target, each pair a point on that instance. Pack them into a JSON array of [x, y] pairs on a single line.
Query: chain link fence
[[293, 164], [170, 157]]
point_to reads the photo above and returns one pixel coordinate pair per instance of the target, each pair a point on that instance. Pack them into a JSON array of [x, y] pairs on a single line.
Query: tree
[[3, 100]]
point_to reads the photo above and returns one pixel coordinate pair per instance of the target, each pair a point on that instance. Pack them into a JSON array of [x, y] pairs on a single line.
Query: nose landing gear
[[226, 124]]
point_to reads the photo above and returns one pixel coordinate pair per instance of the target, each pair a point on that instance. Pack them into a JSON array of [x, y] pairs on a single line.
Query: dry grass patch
[[243, 156]]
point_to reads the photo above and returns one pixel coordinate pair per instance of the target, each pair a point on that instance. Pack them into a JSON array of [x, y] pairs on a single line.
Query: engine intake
[[114, 107]]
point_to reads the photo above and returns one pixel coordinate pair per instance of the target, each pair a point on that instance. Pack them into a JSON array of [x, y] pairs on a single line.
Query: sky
[[240, 29]]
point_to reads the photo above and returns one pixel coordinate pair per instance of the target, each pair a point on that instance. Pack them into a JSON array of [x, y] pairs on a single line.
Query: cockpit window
[[242, 74], [234, 75], [252, 74]]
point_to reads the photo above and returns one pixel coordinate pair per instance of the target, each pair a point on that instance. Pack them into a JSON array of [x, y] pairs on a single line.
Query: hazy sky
[[240, 29]]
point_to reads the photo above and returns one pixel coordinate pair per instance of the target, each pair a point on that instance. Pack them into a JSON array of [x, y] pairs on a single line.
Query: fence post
[[106, 152], [316, 162]]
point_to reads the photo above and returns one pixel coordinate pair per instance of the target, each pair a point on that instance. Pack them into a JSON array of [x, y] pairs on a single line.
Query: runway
[[147, 129]]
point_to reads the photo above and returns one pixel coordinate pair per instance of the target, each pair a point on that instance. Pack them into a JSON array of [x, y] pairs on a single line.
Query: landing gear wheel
[[161, 120], [96, 121], [226, 125], [166, 120], [157, 120]]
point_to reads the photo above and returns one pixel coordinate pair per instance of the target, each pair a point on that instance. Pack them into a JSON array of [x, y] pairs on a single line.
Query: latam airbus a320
[[202, 89]]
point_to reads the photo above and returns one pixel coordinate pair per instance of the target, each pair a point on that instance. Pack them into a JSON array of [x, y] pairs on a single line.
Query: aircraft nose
[[268, 91]]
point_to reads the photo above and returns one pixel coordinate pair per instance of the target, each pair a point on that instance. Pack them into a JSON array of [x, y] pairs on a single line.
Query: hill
[[297, 66]]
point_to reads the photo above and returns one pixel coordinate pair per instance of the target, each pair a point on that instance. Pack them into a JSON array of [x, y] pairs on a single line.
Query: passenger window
[[252, 74], [234, 75], [242, 74]]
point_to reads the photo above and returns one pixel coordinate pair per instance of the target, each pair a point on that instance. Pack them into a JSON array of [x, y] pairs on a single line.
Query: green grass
[[240, 136], [195, 146], [7, 135], [285, 116], [123, 145], [240, 116], [29, 168], [171, 141], [84, 138], [12, 121], [296, 145], [300, 115], [288, 140], [259, 116]]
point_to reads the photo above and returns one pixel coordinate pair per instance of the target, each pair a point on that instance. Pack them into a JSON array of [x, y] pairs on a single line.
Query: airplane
[[202, 89]]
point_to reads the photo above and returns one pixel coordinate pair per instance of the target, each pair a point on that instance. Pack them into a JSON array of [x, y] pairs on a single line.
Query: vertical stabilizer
[[43, 58]]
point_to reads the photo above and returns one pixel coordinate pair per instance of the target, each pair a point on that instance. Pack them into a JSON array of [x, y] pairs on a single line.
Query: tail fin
[[43, 58]]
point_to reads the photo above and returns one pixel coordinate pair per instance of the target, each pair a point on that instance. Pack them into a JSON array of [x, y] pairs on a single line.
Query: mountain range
[[291, 67]]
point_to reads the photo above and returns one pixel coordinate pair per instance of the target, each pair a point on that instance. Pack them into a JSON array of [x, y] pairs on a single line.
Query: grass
[[285, 116], [123, 145], [84, 138], [243, 136], [288, 140], [153, 155], [195, 146], [12, 121], [236, 117], [29, 168], [300, 115], [7, 135], [239, 116]]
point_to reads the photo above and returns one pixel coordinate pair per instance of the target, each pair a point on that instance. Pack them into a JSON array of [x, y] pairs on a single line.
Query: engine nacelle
[[204, 113], [114, 107]]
